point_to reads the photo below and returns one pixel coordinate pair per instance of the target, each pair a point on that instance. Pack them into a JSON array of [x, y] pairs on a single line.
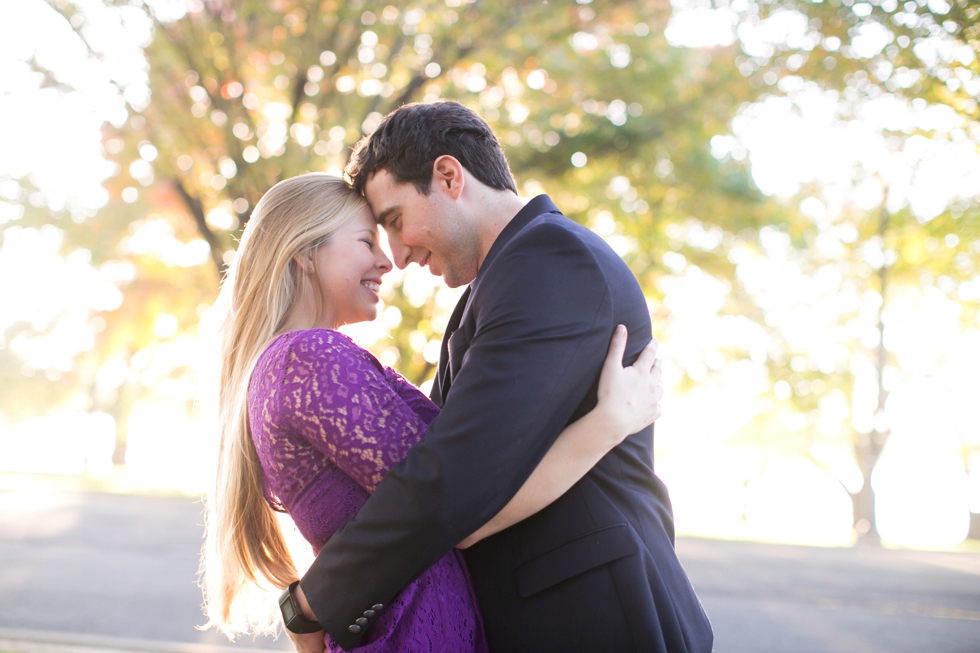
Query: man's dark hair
[[413, 136]]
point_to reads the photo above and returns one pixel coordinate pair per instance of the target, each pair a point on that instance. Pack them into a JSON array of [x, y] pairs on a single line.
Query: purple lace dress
[[328, 421]]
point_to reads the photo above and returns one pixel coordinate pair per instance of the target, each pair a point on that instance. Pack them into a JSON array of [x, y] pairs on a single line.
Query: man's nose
[[399, 252]]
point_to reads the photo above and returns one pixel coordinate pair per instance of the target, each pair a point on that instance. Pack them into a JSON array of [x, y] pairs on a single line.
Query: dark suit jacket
[[595, 570]]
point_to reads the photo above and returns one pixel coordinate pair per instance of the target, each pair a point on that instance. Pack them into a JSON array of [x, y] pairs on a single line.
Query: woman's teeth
[[370, 285]]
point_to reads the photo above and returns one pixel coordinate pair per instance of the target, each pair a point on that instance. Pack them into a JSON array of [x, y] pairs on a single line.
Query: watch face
[[288, 613]]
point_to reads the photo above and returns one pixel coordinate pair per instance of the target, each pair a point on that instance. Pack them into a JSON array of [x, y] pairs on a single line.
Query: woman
[[310, 422]]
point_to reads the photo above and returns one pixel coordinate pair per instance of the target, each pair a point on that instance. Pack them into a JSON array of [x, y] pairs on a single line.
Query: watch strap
[[292, 616]]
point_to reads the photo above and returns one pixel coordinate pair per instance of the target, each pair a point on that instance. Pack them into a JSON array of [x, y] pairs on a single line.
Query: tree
[[931, 54], [245, 94], [633, 136]]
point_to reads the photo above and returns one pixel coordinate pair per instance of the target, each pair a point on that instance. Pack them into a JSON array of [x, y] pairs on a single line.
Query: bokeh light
[[114, 230]]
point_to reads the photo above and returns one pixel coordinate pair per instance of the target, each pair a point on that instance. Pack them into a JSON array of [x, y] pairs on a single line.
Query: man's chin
[[456, 280], [450, 277], [434, 268]]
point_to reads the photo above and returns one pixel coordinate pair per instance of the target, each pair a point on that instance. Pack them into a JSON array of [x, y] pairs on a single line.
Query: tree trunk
[[868, 446]]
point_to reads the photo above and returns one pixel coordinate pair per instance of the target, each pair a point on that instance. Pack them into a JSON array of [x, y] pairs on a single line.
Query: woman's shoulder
[[307, 343], [313, 348]]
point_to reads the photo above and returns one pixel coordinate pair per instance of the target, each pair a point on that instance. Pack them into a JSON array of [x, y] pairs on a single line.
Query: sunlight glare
[[920, 481], [62, 443]]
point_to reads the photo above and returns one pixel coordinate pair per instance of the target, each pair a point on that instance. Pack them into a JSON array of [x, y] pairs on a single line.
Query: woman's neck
[[303, 313]]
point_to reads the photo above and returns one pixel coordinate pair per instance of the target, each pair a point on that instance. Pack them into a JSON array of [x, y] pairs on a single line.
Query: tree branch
[[413, 85], [77, 30], [197, 211], [49, 77], [298, 88], [49, 81]]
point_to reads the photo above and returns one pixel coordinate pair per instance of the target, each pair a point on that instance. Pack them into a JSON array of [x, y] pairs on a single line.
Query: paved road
[[765, 598], [124, 566], [117, 565]]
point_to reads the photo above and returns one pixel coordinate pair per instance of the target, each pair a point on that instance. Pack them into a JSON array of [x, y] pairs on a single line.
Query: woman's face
[[349, 269]]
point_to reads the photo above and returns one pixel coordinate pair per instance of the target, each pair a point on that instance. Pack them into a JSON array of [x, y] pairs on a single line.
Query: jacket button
[[361, 621], [354, 628], [378, 606], [369, 613]]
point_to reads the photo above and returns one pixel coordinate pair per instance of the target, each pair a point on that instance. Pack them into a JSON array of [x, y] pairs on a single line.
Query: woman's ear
[[305, 261]]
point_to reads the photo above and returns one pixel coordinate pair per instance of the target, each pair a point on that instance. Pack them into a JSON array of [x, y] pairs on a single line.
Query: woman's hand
[[308, 642], [629, 397]]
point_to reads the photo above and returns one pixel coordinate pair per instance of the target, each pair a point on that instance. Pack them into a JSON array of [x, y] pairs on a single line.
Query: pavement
[[767, 598], [105, 566], [82, 572]]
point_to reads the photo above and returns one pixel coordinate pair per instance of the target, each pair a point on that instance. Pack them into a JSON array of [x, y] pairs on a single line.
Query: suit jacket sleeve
[[543, 324]]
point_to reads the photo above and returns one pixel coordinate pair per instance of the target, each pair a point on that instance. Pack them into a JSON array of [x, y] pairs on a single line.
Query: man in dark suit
[[595, 570]]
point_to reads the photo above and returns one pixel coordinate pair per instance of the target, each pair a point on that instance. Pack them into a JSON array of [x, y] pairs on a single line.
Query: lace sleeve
[[415, 398], [337, 396]]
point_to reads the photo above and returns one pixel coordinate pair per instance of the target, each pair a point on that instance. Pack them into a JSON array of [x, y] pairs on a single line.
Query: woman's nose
[[384, 263]]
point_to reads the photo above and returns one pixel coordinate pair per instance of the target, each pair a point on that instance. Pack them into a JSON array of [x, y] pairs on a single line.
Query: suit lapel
[[443, 377], [443, 381]]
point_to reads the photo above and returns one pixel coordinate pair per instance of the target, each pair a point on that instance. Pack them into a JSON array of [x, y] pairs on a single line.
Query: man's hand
[[309, 642]]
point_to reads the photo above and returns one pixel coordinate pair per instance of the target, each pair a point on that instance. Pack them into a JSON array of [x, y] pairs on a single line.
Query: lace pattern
[[328, 421]]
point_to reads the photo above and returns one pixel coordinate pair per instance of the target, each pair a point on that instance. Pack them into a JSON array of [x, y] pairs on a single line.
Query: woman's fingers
[[656, 390], [648, 356], [657, 372], [617, 347], [632, 394]]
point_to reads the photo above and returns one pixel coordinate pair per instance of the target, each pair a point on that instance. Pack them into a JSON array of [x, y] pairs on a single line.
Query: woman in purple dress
[[311, 422]]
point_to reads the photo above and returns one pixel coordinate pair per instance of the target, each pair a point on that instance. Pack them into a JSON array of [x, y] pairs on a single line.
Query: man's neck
[[496, 212]]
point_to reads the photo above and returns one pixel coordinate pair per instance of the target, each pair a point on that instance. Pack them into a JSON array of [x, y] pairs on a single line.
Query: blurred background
[[796, 185]]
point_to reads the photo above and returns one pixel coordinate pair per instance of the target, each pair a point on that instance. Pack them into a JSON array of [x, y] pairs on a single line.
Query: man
[[595, 570]]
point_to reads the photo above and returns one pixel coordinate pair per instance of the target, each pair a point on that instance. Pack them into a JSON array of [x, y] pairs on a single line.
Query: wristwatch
[[292, 616]]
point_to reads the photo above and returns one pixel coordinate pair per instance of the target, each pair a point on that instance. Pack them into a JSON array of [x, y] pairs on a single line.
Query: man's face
[[425, 229]]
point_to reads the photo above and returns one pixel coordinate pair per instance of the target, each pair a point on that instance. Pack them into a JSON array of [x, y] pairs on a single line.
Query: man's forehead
[[374, 193], [384, 194], [382, 180], [378, 197]]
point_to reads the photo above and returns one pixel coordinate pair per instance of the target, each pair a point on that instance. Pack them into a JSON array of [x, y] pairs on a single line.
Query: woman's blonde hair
[[245, 555]]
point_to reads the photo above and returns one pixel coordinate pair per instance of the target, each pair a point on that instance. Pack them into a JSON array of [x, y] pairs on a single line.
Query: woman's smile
[[349, 268], [372, 285]]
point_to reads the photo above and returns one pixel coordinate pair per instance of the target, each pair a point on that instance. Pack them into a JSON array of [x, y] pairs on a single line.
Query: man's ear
[[447, 175]]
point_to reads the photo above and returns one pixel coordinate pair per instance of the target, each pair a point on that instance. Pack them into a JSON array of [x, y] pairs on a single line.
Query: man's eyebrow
[[385, 215]]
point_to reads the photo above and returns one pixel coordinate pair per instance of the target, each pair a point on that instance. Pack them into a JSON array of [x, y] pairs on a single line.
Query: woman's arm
[[629, 400], [336, 397]]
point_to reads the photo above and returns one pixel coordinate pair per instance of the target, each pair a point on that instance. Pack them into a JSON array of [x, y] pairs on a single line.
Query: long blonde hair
[[245, 556]]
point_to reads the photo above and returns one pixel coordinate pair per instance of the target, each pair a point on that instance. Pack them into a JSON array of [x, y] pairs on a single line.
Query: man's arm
[[629, 400], [543, 321]]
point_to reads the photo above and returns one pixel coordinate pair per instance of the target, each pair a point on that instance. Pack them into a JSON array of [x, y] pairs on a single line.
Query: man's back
[[596, 569]]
